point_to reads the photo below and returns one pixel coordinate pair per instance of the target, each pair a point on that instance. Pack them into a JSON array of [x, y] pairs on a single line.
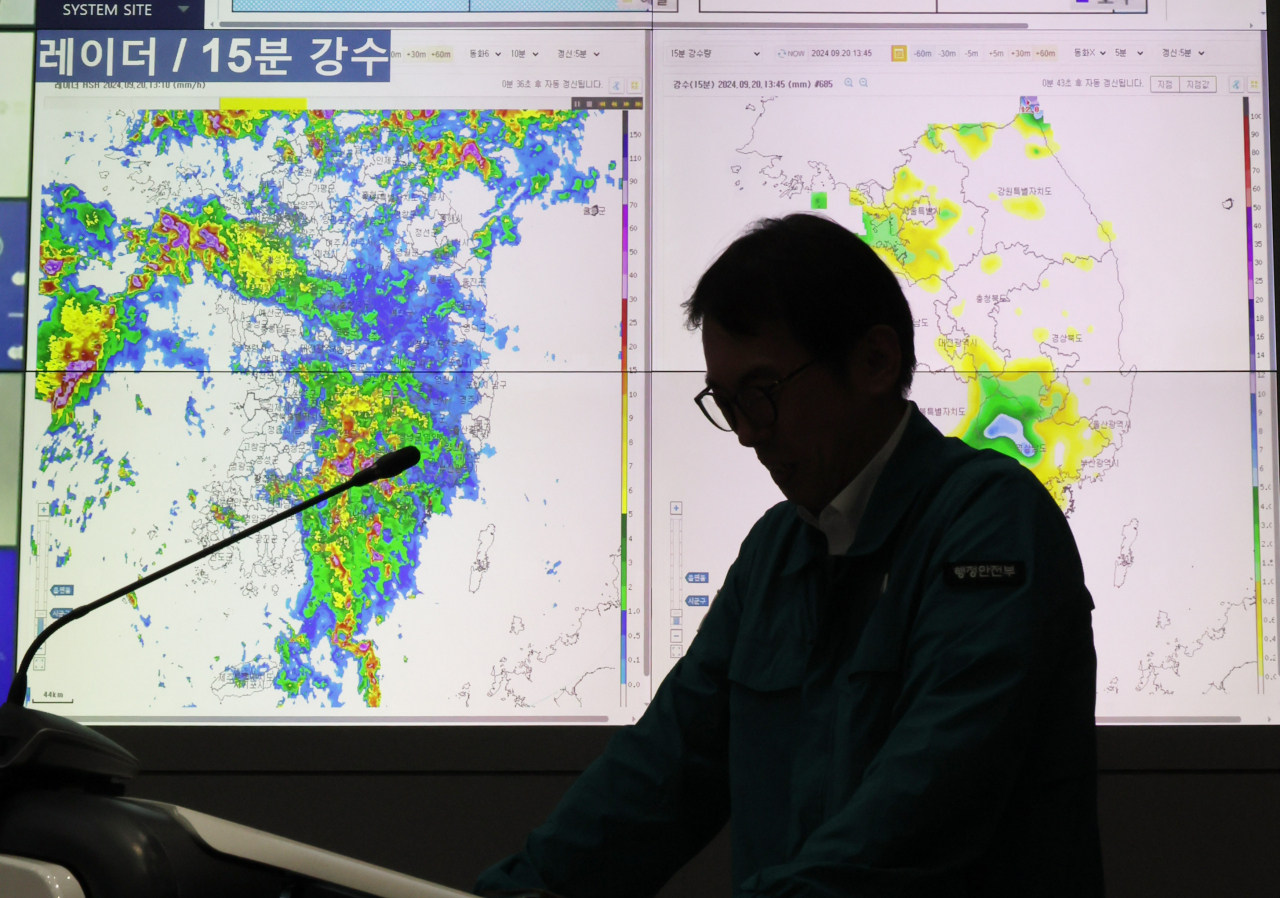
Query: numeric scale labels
[[1255, 266], [622, 557]]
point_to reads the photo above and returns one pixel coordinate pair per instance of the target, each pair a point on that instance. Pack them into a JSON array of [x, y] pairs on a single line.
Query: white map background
[[536, 635], [1174, 625]]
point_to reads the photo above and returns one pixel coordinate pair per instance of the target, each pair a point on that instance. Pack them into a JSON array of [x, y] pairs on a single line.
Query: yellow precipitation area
[[1029, 391], [263, 104], [906, 236], [259, 263], [87, 330], [1028, 207], [974, 139], [357, 415], [1039, 135]]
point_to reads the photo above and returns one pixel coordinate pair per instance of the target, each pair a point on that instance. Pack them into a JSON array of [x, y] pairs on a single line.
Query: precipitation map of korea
[[991, 236], [276, 298], [1024, 296]]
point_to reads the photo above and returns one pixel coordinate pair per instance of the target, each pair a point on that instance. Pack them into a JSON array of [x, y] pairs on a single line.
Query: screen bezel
[[283, 748], [570, 749]]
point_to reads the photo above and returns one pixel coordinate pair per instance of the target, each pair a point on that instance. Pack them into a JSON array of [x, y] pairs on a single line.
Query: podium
[[67, 831], [74, 844]]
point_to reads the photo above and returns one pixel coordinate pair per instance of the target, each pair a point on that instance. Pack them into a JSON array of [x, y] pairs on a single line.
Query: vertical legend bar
[[1253, 396], [676, 510], [622, 557], [42, 584]]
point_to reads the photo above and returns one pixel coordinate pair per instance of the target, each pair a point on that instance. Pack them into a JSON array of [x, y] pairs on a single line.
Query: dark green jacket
[[875, 724]]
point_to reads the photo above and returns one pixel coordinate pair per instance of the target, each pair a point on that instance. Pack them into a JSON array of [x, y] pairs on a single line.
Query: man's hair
[[813, 277]]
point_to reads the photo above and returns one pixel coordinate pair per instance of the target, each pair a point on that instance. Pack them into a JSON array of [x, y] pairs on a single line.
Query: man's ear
[[876, 361]]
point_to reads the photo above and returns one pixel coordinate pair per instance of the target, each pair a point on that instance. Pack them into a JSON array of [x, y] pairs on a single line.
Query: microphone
[[393, 464], [387, 466], [62, 787]]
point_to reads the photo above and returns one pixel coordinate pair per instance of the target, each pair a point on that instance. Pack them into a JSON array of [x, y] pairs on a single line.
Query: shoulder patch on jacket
[[984, 573]]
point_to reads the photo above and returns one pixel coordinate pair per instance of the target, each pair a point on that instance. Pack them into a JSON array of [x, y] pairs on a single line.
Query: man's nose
[[748, 434]]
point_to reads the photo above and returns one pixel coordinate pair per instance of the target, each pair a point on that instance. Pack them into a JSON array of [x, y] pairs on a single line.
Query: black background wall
[[1186, 812], [1163, 834]]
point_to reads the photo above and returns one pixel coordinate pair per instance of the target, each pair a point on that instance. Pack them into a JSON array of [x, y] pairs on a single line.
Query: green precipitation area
[[886, 233], [262, 265], [881, 232], [884, 230], [1039, 129], [975, 135], [1030, 122], [501, 229], [361, 547], [84, 326], [70, 359], [94, 219], [1020, 398]]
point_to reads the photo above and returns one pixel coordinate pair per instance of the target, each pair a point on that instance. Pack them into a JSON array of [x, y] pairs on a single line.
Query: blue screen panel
[[13, 266]]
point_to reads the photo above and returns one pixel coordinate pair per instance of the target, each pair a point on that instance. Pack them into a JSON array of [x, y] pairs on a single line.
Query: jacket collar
[[922, 450]]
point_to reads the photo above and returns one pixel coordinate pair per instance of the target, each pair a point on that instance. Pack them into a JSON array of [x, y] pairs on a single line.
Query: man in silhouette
[[893, 692]]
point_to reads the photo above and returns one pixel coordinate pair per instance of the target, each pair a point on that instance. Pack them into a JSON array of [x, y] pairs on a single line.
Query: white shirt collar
[[839, 520]]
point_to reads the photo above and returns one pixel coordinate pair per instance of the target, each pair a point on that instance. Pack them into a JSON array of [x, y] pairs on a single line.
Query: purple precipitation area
[[180, 228], [70, 377]]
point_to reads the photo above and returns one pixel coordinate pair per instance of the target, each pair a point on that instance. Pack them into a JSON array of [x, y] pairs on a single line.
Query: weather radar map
[[1013, 277], [276, 297], [1049, 327]]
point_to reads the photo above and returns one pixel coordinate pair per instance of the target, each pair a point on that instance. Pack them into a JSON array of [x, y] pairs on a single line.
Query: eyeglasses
[[756, 404]]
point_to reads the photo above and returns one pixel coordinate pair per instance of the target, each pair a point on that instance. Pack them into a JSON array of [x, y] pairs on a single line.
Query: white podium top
[[295, 857], [21, 877]]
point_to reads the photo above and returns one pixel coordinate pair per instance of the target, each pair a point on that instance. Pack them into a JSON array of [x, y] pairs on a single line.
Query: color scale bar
[[622, 573], [1253, 393]]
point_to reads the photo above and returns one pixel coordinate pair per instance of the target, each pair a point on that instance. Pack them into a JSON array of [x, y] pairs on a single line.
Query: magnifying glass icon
[[848, 82], [862, 82]]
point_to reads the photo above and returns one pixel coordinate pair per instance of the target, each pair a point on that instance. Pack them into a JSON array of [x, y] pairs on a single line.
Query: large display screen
[[245, 298], [1082, 238], [262, 256]]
